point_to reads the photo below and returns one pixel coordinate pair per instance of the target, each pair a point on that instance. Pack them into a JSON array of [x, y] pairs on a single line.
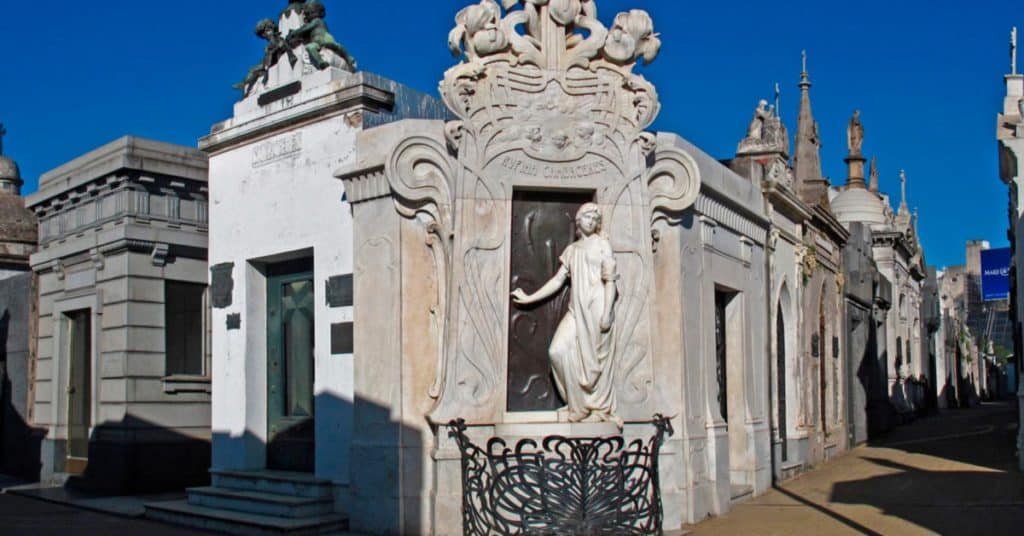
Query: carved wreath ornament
[[523, 49]]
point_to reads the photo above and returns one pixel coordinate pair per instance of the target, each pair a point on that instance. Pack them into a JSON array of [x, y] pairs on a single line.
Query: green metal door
[[290, 367]]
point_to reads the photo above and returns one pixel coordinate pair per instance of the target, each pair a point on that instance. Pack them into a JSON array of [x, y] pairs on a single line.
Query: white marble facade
[[274, 200], [431, 203]]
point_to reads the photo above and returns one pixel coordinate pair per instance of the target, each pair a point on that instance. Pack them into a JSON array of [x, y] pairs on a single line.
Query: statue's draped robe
[[581, 354]]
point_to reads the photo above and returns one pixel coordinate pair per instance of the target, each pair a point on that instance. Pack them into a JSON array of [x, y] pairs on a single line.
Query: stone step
[[232, 522], [256, 502], [278, 482]]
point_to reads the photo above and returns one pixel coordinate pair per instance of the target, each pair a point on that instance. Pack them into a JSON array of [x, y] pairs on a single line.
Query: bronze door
[[543, 225], [290, 367]]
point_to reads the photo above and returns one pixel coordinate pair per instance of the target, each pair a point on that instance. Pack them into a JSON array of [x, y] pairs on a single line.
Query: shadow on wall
[[20, 443], [138, 456]]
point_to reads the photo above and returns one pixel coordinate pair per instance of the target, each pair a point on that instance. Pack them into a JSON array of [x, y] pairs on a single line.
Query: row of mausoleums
[[327, 282]]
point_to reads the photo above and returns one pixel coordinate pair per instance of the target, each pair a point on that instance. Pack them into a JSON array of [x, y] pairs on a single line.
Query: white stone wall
[[273, 199]]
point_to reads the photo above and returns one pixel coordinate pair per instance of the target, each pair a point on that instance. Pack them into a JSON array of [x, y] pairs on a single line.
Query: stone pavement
[[948, 474], [34, 517]]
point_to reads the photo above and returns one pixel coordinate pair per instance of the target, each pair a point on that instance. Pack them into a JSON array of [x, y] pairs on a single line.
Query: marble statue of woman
[[582, 360]]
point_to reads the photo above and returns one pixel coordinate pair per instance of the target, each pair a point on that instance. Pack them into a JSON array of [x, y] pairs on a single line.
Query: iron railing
[[575, 486]]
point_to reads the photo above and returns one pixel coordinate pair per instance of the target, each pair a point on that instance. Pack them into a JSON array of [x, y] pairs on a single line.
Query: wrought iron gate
[[576, 486]]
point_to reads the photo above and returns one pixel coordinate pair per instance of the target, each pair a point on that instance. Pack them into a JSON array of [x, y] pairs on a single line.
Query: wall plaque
[[341, 338], [339, 291], [234, 321], [222, 285]]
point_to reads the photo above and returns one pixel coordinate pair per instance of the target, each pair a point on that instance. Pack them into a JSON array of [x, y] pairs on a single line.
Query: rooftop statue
[[316, 37], [855, 134], [276, 46], [3, 132], [756, 128], [765, 133]]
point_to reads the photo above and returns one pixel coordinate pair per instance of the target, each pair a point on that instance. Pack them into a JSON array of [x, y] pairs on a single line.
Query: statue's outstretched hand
[[520, 297]]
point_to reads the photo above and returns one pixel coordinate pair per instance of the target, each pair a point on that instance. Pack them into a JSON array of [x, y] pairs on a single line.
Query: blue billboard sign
[[995, 274]]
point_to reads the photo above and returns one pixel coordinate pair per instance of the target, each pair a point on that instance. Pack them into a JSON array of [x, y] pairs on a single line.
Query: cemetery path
[[949, 474], [34, 517]]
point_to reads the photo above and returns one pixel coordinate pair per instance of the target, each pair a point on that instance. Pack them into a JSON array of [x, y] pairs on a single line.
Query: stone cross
[[3, 131]]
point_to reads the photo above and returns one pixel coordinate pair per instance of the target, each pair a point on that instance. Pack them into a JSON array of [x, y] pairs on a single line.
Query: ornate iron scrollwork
[[567, 486]]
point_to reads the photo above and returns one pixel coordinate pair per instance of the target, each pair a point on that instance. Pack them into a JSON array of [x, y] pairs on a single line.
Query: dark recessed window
[[183, 314]]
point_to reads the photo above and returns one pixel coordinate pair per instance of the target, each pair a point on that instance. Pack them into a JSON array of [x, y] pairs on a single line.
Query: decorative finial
[[3, 132], [805, 79], [1013, 51]]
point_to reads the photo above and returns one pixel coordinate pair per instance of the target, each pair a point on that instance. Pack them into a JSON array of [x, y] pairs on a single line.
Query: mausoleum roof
[[9, 169], [17, 223], [860, 205]]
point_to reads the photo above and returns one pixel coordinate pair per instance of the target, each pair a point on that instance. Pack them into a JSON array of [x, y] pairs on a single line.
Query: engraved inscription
[[276, 149], [531, 168]]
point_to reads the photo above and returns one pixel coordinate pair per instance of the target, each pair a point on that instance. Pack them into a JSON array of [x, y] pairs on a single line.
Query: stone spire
[[807, 165]]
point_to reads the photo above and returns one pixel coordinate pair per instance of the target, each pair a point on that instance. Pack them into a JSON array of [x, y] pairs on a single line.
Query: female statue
[[581, 350]]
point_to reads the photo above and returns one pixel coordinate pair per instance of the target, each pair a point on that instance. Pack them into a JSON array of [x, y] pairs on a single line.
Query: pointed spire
[[807, 165], [917, 219], [874, 174]]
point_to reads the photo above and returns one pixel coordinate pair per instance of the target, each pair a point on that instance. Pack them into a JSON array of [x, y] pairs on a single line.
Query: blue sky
[[927, 76]]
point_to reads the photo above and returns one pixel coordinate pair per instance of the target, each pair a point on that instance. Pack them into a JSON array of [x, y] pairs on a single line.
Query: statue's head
[[588, 219], [266, 28], [313, 10]]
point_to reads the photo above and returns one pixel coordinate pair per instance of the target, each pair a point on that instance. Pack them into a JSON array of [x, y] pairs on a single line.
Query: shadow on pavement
[[941, 492]]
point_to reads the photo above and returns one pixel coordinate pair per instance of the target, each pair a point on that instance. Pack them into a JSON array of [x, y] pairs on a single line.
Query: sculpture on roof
[[276, 46], [855, 134], [314, 34], [3, 132], [765, 133]]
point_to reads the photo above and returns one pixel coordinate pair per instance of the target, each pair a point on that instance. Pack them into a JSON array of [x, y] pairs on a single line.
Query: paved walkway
[[949, 474], [35, 517]]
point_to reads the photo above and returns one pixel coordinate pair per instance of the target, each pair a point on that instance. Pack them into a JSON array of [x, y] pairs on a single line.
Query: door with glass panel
[[290, 352]]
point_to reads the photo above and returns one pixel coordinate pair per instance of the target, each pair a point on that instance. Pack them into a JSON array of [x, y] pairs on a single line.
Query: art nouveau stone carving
[[545, 99], [582, 361]]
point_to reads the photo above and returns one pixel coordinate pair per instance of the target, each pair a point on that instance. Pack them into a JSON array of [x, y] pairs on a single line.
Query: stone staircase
[[256, 502]]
